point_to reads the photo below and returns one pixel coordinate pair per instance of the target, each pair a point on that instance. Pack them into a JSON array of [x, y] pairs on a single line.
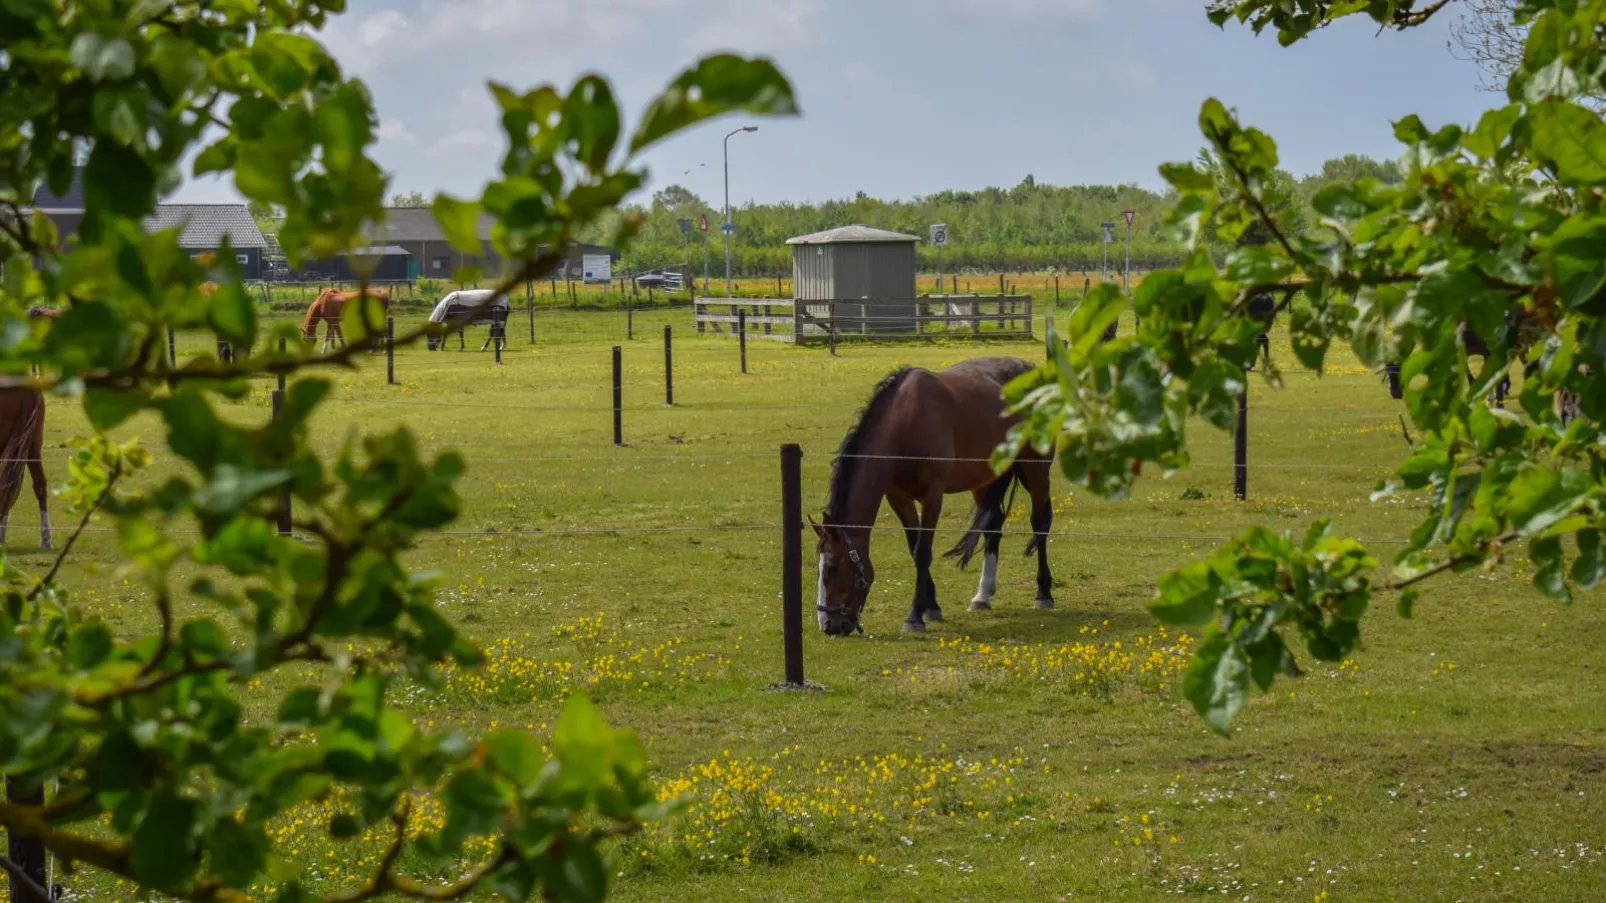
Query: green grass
[[1391, 778]]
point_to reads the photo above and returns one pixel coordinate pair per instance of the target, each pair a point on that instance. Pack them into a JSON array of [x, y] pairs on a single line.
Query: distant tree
[[267, 216], [677, 198], [411, 199], [1493, 34]]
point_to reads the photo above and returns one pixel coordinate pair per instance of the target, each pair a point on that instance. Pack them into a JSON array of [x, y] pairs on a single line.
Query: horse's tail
[[990, 514], [27, 419]]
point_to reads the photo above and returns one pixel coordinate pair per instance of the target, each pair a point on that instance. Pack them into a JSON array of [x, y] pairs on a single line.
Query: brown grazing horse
[[328, 306], [924, 435], [22, 440]]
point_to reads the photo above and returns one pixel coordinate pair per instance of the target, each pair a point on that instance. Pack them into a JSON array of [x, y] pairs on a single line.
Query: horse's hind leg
[[36, 470], [1038, 484], [988, 585]]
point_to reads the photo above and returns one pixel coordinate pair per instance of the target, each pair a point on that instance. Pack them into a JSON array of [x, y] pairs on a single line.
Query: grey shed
[[853, 262]]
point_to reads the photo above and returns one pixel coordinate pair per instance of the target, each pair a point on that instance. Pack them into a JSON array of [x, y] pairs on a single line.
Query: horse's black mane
[[846, 463]]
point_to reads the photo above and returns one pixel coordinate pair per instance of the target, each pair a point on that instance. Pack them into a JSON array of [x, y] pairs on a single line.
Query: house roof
[[416, 224], [72, 202], [854, 233], [205, 225], [382, 251]]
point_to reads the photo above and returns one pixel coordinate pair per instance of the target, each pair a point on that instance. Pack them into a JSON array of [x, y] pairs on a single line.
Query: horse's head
[[845, 577]]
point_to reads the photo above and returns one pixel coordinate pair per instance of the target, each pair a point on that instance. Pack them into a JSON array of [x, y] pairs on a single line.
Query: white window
[[242, 258]]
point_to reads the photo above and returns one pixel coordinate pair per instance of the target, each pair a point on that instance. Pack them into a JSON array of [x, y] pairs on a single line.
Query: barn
[[205, 226], [855, 263], [415, 231], [382, 263]]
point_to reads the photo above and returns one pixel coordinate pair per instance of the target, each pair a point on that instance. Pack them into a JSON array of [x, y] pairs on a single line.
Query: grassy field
[[1005, 755]]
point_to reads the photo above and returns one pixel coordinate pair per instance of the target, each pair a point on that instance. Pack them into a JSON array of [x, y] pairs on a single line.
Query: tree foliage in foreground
[[1499, 226], [161, 776]]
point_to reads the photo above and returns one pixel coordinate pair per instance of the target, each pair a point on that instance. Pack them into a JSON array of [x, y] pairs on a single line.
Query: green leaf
[[1550, 575], [88, 646], [205, 637], [460, 222], [1577, 258], [108, 409], [163, 852], [1187, 597], [238, 852], [1494, 127], [718, 84], [1217, 680], [1266, 659], [1570, 138], [232, 488], [517, 754], [592, 119], [101, 57], [1590, 568], [233, 315], [1538, 497], [1406, 604], [582, 877]]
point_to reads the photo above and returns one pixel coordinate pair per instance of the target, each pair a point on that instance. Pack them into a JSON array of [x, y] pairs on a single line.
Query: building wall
[[250, 265], [813, 273]]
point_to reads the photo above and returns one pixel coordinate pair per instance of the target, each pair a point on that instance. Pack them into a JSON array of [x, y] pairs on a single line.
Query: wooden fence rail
[[807, 322]]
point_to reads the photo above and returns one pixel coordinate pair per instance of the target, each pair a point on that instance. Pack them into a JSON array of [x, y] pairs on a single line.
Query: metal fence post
[[618, 398], [1240, 447], [390, 351], [741, 329], [669, 369]]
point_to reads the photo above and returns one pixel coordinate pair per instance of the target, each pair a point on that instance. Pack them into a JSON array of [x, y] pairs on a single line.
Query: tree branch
[[83, 523], [1454, 562]]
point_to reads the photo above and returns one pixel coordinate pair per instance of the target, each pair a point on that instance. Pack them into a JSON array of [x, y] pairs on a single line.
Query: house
[[204, 225], [415, 231]]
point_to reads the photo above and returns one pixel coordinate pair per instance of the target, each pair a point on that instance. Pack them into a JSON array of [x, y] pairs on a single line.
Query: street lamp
[[727, 230]]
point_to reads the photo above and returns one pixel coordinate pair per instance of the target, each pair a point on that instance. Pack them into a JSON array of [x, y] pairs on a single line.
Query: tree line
[[1032, 227]]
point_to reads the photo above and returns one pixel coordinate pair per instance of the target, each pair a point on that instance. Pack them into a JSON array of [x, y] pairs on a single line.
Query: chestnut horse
[[924, 435], [328, 306]]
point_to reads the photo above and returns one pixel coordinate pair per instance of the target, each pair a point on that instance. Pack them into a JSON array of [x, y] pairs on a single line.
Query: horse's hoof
[[914, 626], [933, 615], [1043, 604], [980, 605]]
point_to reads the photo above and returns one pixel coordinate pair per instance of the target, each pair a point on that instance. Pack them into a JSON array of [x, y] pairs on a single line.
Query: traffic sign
[[685, 227], [702, 223], [1130, 215], [730, 228], [1109, 232], [939, 235]]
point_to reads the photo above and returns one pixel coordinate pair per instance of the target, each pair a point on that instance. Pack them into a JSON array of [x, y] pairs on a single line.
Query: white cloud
[[395, 131], [475, 144], [756, 26], [1030, 9]]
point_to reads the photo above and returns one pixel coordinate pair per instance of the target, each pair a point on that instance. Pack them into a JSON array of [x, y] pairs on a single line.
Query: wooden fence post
[[284, 494], [792, 562], [618, 398], [27, 853], [741, 328], [390, 351], [669, 369], [529, 304], [1240, 447]]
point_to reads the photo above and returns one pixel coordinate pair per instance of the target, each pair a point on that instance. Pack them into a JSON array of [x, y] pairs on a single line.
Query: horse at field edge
[[924, 435], [22, 440]]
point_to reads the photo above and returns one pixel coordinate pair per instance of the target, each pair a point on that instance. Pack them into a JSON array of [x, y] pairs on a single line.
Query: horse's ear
[[817, 528]]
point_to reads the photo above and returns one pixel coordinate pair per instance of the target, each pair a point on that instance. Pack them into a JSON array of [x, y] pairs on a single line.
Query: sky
[[898, 98]]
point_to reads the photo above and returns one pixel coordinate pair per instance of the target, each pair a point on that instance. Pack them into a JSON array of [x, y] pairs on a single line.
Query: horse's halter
[[860, 580]]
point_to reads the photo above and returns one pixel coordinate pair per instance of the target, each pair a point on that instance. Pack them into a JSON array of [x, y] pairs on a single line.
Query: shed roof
[[850, 234], [382, 251], [205, 225]]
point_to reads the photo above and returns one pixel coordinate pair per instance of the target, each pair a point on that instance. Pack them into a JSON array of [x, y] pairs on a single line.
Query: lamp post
[[727, 229]]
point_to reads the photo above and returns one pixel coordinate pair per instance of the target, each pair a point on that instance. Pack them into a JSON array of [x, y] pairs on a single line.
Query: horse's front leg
[[925, 540], [924, 607], [1038, 483]]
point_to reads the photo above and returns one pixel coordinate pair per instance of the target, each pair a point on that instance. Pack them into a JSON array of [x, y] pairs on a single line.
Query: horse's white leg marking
[[44, 529], [989, 578], [819, 615]]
